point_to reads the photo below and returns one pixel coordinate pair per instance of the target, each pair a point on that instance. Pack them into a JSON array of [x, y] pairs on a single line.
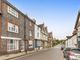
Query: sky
[[58, 15]]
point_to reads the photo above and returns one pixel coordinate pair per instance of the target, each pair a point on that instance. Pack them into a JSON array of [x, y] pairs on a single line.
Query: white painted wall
[[71, 42], [37, 31]]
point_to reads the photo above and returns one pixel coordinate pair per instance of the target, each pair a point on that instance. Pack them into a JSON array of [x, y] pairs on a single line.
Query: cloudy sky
[[58, 15]]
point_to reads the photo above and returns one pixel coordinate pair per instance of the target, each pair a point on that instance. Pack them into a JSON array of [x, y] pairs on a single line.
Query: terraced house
[[11, 28], [74, 40], [77, 29], [31, 28], [37, 42], [18, 32], [29, 33], [44, 35], [50, 39]]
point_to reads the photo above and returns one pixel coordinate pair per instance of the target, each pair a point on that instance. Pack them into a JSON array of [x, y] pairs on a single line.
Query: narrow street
[[51, 54]]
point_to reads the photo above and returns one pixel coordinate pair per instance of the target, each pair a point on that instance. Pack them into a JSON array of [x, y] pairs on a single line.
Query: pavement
[[49, 54], [15, 55]]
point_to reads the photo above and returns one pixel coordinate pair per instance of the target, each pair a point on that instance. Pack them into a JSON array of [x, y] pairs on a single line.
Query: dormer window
[[12, 12]]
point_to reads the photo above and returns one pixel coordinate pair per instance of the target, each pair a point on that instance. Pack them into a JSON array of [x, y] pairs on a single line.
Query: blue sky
[[59, 15]]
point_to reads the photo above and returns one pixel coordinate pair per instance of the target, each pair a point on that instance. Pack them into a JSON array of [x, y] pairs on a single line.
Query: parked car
[[62, 47], [65, 52], [72, 53]]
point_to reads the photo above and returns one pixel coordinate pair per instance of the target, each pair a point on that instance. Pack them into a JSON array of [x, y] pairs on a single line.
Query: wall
[[71, 42], [37, 32]]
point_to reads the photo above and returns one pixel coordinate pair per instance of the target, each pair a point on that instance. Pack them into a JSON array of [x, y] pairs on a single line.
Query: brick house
[[31, 33], [19, 32], [12, 28], [29, 28]]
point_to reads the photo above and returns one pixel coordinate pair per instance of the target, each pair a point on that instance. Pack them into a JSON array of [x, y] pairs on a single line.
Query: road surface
[[50, 54]]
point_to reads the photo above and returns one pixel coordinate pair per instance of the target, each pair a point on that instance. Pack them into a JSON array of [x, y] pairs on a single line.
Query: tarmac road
[[50, 54]]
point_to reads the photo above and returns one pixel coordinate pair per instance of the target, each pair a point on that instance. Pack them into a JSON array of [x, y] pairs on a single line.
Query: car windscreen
[[67, 49], [75, 50]]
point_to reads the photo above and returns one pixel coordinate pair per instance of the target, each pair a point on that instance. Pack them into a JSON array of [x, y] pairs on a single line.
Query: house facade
[[12, 28], [44, 35], [31, 37], [50, 39], [71, 42], [37, 37], [74, 40], [29, 33], [77, 28], [18, 32]]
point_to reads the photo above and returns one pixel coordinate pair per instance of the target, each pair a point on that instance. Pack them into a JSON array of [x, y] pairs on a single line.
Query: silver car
[[72, 54]]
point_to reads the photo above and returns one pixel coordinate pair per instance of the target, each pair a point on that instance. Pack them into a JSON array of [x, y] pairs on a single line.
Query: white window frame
[[30, 33], [13, 28], [12, 11], [13, 46], [16, 29], [79, 18]]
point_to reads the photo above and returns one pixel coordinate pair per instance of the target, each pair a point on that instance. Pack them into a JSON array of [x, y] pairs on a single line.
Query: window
[[11, 41], [79, 19], [10, 27], [16, 29], [37, 28], [13, 45], [37, 34], [30, 23], [30, 44], [30, 32], [78, 33], [13, 28], [12, 12]]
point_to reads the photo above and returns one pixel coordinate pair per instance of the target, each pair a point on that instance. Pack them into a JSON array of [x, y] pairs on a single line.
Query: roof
[[74, 32], [25, 15], [50, 35], [41, 25], [68, 37], [5, 1], [45, 29], [77, 20]]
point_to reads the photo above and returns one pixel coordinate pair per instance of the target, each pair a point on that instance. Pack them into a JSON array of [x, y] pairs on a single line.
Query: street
[[50, 54]]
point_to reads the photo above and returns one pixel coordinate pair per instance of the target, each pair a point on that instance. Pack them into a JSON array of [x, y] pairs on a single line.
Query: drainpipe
[[0, 21], [25, 40]]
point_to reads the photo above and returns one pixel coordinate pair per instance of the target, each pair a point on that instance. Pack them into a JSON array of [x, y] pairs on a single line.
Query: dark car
[[62, 47]]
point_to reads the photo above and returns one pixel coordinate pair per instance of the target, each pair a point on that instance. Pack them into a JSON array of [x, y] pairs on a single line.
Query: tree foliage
[[57, 41]]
